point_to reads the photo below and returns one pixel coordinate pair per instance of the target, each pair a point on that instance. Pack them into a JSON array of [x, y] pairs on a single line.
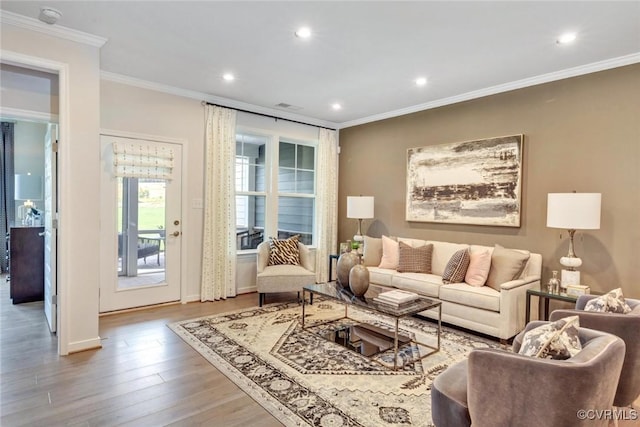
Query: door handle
[[175, 233], [41, 234]]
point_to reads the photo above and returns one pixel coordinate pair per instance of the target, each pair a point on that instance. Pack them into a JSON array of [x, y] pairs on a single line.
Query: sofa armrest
[[306, 260], [262, 256], [519, 282]]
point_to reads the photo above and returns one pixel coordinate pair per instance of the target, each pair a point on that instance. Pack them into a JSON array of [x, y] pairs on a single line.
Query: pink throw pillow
[[390, 253], [478, 270]]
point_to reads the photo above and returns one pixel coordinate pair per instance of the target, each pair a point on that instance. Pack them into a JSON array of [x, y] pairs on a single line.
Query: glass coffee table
[[364, 338]]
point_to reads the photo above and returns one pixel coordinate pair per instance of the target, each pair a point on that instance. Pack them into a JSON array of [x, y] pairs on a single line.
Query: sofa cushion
[[557, 340], [414, 260], [420, 283], [479, 265], [442, 253], [482, 297], [380, 276], [611, 302], [390, 253], [456, 268], [284, 251], [506, 265], [372, 251]]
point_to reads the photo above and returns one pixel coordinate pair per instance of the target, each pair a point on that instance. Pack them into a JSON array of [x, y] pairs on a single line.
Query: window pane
[[286, 180], [306, 157], [295, 216], [251, 231], [304, 183], [287, 155]]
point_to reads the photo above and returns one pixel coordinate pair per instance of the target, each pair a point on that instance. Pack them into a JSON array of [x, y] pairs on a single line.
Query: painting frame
[[477, 182]]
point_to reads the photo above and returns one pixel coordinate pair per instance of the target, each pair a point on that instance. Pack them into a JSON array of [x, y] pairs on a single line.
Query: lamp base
[[358, 238], [569, 277]]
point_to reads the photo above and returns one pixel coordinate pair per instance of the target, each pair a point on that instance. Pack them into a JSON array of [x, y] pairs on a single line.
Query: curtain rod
[[267, 115]]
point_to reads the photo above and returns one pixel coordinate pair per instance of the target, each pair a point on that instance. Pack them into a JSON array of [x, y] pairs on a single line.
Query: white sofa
[[483, 309]]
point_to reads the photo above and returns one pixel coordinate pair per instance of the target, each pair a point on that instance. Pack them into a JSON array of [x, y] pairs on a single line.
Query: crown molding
[[10, 18], [213, 99], [518, 84]]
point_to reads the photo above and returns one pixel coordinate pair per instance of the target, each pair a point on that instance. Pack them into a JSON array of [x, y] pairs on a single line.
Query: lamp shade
[[28, 187], [574, 211], [360, 207]]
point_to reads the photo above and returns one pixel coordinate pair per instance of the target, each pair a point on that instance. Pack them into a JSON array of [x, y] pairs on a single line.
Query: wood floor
[[144, 375]]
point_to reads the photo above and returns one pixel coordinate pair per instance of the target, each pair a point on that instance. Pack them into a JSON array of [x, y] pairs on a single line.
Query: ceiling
[[363, 55]]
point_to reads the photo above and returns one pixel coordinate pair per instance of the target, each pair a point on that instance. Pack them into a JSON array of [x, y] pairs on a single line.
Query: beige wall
[[581, 134], [78, 167], [29, 90]]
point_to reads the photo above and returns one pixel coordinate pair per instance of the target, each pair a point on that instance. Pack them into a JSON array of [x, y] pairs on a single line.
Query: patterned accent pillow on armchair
[[556, 340], [284, 251], [611, 302]]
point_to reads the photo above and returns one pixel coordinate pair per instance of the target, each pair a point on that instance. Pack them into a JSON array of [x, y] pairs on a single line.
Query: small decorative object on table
[[553, 287], [359, 280], [577, 290], [345, 263]]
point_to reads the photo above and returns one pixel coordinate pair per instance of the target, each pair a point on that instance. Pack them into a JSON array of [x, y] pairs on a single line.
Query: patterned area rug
[[304, 379]]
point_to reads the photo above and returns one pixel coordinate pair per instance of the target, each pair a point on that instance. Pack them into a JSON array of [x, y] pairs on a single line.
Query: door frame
[[184, 204], [63, 257]]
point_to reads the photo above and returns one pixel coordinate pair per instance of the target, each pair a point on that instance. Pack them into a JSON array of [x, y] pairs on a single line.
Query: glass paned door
[[142, 229]]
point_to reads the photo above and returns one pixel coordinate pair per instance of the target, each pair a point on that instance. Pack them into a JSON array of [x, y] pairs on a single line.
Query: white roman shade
[[135, 160]]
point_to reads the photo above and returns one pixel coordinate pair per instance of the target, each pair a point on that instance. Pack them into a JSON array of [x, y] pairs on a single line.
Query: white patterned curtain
[[136, 160], [219, 239], [326, 201]]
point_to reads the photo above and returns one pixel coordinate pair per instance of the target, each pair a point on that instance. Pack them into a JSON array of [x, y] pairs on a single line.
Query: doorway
[[142, 222]]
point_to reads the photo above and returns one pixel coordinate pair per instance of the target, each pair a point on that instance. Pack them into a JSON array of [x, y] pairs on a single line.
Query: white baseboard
[[191, 298], [91, 344], [247, 290]]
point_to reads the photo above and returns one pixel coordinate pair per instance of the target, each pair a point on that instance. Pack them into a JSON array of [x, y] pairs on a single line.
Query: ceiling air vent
[[286, 106]]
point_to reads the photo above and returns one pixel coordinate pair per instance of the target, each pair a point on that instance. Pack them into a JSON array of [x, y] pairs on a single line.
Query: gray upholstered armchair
[[625, 326], [497, 388], [283, 278]]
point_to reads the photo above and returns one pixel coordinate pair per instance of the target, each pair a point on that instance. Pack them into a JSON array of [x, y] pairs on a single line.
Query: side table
[[546, 296]]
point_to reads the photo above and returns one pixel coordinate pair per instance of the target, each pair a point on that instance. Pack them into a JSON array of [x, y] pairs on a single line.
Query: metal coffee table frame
[[334, 291]]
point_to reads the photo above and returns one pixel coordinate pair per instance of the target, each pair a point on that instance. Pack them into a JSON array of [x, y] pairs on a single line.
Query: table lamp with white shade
[[573, 211], [359, 207]]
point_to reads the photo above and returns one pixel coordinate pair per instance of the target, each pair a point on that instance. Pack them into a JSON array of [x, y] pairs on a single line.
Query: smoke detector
[[49, 15]]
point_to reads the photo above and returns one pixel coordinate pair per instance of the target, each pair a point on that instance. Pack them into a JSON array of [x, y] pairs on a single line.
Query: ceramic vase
[[345, 263], [359, 280]]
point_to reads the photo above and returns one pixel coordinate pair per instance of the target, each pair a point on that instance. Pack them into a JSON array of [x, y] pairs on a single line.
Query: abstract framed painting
[[473, 182]]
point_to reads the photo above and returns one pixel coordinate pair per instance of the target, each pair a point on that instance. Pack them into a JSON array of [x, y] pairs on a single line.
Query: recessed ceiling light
[[421, 81], [566, 38], [336, 106], [303, 32], [228, 77]]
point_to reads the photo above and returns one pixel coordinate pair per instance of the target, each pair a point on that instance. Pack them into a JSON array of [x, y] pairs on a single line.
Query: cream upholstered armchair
[[625, 326], [283, 277], [497, 388]]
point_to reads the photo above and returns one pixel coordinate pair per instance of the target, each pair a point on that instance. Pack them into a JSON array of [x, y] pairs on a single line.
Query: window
[[296, 190], [275, 189], [250, 190]]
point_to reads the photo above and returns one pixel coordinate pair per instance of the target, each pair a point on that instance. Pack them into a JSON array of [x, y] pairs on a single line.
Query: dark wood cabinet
[[26, 264]]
